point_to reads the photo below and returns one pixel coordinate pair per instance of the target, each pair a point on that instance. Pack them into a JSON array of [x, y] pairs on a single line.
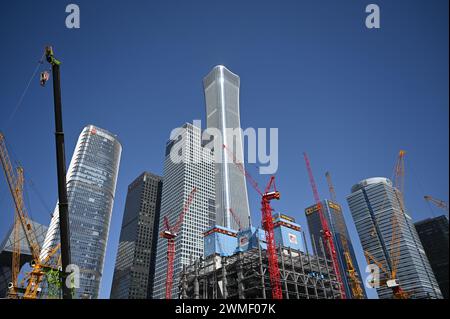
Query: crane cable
[[19, 103], [421, 189]]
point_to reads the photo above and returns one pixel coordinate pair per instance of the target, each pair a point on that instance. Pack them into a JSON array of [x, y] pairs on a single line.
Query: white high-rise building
[[91, 185], [194, 167], [221, 88]]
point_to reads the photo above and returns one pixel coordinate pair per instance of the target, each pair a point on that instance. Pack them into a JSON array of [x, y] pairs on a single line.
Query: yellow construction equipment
[[352, 275], [391, 274], [393, 256], [355, 283], [15, 180], [15, 269]]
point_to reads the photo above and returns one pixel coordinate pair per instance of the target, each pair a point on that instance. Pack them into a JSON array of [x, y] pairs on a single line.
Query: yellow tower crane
[[355, 283], [438, 202], [13, 292], [393, 255], [15, 182]]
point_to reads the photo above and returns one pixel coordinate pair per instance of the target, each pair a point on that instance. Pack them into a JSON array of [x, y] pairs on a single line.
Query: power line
[[421, 189], [22, 96]]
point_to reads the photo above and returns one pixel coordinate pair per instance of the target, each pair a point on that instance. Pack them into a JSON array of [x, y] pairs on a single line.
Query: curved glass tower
[[91, 185], [221, 88], [374, 202]]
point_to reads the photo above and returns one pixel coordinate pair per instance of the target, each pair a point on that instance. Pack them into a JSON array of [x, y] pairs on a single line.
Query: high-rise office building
[[135, 262], [377, 211], [433, 233], [221, 88], [187, 165], [333, 213], [91, 186]]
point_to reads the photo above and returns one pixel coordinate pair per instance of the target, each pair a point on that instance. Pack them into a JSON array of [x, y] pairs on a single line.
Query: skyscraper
[[333, 213], [193, 168], [433, 233], [135, 264], [91, 186], [221, 88], [376, 207]]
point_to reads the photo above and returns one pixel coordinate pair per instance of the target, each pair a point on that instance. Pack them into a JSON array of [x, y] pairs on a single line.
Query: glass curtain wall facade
[[91, 186], [221, 88], [195, 168], [335, 218], [433, 233], [135, 263], [374, 204]]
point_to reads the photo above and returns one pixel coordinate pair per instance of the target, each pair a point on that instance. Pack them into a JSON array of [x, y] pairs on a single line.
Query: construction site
[[272, 261], [246, 275]]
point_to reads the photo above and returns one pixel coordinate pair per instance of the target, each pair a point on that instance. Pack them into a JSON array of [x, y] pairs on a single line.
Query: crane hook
[[45, 76]]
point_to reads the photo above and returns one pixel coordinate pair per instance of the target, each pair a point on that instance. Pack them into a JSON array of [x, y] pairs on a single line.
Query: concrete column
[[261, 270], [224, 278], [294, 273], [196, 283], [240, 277], [284, 272]]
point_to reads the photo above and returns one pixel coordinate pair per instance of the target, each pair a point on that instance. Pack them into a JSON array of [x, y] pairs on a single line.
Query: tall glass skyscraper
[[335, 218], [221, 88], [374, 203], [91, 186], [194, 169], [135, 263]]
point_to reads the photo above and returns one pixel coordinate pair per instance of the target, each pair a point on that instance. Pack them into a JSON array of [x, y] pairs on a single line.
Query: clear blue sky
[[349, 96]]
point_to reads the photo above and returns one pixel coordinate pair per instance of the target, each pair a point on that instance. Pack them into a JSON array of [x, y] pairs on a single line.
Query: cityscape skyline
[[428, 172]]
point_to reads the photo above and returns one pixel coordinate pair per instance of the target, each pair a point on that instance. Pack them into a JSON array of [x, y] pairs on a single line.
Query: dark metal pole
[[61, 170]]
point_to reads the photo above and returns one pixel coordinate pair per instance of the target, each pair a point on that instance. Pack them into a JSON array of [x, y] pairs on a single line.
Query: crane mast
[[331, 187], [355, 283], [63, 204], [170, 233], [327, 235], [267, 223], [266, 209], [393, 255], [15, 184]]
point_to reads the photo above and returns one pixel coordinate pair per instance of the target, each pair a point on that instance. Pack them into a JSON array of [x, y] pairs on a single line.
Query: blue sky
[[349, 96]]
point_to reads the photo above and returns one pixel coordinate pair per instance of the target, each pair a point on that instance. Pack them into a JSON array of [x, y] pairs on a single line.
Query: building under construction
[[236, 266]]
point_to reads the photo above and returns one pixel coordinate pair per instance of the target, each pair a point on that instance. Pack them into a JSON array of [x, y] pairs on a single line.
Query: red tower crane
[[355, 283], [170, 233], [328, 237], [267, 223]]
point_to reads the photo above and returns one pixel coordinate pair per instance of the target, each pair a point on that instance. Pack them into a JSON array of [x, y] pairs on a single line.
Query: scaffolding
[[245, 275]]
